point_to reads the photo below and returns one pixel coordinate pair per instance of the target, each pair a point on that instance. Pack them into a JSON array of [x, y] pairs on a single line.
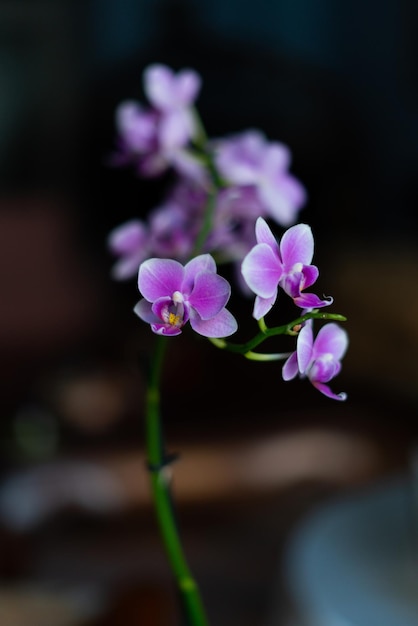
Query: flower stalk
[[158, 463], [217, 211]]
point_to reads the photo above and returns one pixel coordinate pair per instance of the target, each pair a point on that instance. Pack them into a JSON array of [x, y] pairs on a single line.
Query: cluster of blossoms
[[216, 211]]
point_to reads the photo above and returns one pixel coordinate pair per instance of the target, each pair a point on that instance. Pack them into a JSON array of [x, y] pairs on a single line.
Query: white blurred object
[[352, 562], [28, 497]]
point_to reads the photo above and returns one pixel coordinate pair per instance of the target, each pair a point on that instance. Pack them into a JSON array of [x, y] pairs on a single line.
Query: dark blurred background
[[336, 82]]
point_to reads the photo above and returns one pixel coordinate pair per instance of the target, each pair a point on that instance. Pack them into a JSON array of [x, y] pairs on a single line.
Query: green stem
[[266, 333], [160, 485]]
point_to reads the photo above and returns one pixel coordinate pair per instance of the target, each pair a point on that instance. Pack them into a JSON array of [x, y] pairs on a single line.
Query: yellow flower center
[[174, 320]]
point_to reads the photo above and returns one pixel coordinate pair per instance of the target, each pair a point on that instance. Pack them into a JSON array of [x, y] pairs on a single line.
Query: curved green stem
[[287, 329], [160, 485]]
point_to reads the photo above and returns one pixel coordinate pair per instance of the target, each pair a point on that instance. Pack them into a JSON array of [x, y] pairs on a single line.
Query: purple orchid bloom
[[248, 159], [269, 265], [174, 228], [173, 95], [175, 294], [155, 138], [129, 242], [319, 360]]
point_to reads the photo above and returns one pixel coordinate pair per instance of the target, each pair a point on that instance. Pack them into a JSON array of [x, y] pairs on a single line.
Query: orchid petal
[[304, 347], [176, 128], [127, 237], [328, 392], [263, 305], [297, 246], [210, 294], [188, 83], [290, 368], [262, 270], [222, 325], [276, 158], [127, 267], [143, 309], [158, 85], [165, 329], [291, 283], [159, 277], [310, 275], [200, 263], [331, 339], [312, 301], [264, 234], [278, 206]]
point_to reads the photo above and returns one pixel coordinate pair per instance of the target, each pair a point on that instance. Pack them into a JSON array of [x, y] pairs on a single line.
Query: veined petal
[[200, 263], [331, 339], [264, 235], [210, 294], [304, 347], [297, 246], [262, 270], [325, 389], [263, 305], [159, 277], [221, 325], [290, 368]]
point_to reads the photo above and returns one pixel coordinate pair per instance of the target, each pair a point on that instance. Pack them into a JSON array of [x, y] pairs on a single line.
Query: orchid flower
[[129, 242], [175, 294], [269, 265], [319, 359], [248, 159], [155, 138], [173, 95]]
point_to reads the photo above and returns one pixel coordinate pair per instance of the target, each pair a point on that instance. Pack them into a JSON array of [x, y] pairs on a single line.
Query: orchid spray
[[224, 193]]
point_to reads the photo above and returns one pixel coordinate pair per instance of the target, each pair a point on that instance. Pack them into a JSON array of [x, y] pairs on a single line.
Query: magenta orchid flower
[[130, 243], [269, 265], [248, 159], [175, 294], [319, 359]]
